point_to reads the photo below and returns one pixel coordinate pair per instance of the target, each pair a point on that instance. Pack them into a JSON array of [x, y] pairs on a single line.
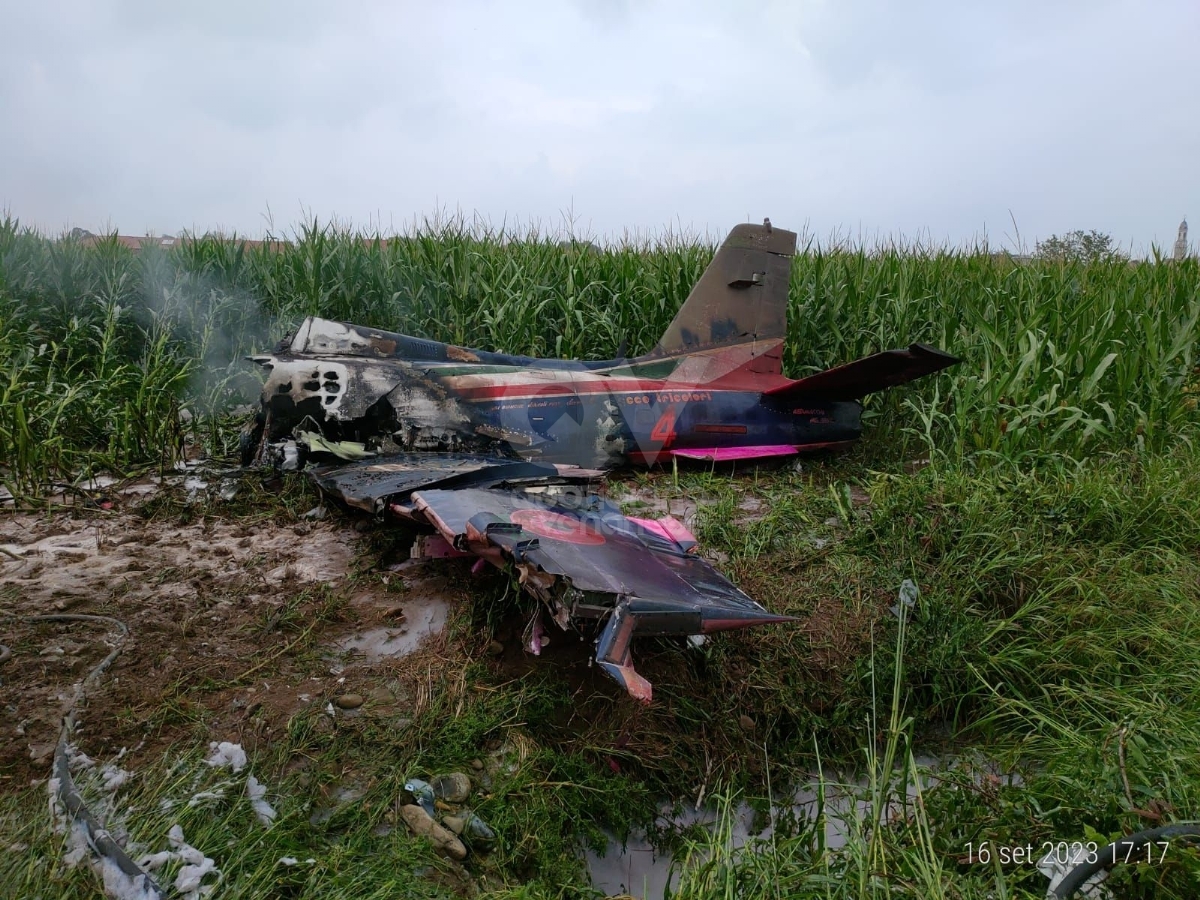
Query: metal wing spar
[[572, 549]]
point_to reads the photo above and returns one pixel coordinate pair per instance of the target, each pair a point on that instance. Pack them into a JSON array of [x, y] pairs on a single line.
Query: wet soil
[[234, 626]]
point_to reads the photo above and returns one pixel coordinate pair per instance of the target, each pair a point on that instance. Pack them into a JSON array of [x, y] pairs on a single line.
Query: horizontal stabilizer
[[873, 373]]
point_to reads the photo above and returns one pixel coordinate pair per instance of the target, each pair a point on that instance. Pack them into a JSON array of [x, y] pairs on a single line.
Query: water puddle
[[638, 870], [422, 617]]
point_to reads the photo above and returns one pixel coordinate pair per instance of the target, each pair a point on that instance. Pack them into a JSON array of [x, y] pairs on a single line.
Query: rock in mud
[[349, 701], [746, 723], [477, 765], [478, 833], [495, 648], [453, 788], [471, 827], [421, 823]]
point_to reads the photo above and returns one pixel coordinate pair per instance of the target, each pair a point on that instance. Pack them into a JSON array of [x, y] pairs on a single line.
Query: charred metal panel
[[324, 337], [321, 337], [372, 484], [375, 396], [369, 484]]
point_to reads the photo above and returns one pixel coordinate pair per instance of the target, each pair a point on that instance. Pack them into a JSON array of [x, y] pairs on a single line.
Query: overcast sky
[[917, 119]]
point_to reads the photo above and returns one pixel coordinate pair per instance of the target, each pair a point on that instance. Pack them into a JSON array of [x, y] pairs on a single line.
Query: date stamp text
[[1067, 853]]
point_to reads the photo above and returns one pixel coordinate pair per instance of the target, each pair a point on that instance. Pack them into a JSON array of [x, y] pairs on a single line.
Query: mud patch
[[209, 604], [417, 619], [638, 500]]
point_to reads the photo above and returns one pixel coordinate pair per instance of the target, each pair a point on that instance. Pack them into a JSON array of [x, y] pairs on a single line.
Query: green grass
[[100, 346], [1055, 538], [358, 849], [1056, 630]]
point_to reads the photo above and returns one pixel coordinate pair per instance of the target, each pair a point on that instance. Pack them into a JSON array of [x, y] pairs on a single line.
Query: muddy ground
[[236, 623], [244, 613]]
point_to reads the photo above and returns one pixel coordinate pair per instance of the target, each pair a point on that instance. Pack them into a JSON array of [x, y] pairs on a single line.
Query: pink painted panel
[[724, 454], [668, 527]]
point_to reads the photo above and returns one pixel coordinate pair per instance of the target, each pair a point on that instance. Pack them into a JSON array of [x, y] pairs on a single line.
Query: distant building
[[1181, 244], [88, 239], [165, 242]]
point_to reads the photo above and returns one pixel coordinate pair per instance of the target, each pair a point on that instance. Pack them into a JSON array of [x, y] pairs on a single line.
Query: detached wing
[[572, 549]]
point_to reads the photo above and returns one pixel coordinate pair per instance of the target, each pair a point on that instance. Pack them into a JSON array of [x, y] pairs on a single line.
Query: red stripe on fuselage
[[566, 388], [602, 386]]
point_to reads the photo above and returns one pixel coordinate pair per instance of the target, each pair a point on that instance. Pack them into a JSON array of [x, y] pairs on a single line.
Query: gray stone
[[453, 788]]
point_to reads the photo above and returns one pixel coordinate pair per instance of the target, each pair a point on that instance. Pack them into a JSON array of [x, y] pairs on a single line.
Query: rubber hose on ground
[[1125, 848]]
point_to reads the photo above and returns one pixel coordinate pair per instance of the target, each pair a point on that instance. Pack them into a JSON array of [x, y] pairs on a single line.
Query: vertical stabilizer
[[740, 299]]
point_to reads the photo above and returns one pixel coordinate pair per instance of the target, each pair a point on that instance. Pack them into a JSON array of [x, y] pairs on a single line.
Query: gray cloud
[[867, 117]]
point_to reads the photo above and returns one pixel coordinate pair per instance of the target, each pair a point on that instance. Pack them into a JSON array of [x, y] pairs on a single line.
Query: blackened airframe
[[495, 455]]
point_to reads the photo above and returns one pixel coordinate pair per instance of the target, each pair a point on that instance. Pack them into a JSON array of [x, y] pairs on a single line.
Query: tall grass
[[1057, 636], [1056, 536], [99, 346]]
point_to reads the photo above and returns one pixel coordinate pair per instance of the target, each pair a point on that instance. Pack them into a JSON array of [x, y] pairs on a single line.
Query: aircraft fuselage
[[597, 417]]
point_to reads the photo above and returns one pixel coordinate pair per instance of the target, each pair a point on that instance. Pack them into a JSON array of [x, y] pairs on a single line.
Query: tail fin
[[739, 301]]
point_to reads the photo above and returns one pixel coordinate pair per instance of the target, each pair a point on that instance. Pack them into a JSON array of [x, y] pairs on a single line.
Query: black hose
[[1125, 848], [97, 836]]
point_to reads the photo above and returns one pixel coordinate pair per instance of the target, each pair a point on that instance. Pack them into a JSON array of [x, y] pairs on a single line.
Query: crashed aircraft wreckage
[[495, 456]]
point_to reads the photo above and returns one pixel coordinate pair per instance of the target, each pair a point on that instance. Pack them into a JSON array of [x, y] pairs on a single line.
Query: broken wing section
[[587, 561], [572, 550]]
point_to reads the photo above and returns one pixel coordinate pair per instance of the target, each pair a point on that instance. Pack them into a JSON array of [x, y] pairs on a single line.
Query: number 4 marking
[[664, 428]]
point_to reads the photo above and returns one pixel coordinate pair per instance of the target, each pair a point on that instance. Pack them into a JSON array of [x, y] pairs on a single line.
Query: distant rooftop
[[138, 242]]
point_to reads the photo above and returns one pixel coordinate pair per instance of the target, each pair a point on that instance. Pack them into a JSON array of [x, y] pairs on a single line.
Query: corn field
[[102, 348]]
